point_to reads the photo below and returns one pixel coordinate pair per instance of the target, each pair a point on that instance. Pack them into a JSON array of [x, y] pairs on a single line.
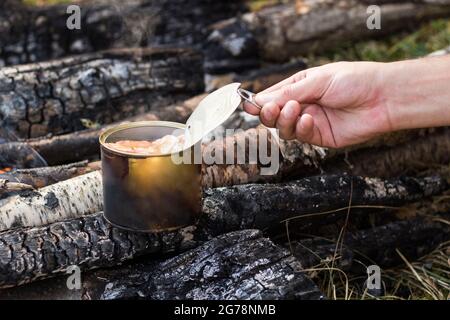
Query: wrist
[[413, 93]]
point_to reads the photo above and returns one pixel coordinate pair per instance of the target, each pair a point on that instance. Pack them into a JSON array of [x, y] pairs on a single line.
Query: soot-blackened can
[[149, 193]]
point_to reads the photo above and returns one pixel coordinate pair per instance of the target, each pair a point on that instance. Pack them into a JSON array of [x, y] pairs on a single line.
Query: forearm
[[416, 93]]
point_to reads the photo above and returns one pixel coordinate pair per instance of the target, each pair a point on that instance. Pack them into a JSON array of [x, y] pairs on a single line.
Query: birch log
[[27, 254], [284, 31], [64, 200], [54, 97]]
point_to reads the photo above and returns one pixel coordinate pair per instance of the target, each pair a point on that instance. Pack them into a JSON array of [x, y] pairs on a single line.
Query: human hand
[[334, 105]]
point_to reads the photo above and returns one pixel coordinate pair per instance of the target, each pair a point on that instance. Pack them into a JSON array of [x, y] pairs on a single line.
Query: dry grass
[[427, 278]]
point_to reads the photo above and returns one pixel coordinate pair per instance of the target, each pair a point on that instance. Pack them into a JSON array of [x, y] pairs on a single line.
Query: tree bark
[[241, 265], [256, 80], [102, 87], [284, 31], [89, 242], [32, 34]]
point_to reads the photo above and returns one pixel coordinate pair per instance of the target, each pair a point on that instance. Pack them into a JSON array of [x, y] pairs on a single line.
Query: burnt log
[[263, 205], [256, 80], [241, 265], [54, 97], [7, 187], [291, 155], [28, 254], [387, 156], [44, 176], [83, 144], [284, 31], [88, 242], [395, 153], [414, 238], [33, 34], [246, 249], [405, 158]]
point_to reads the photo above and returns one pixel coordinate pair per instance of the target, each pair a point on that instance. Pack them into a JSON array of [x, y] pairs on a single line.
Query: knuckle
[[287, 91]]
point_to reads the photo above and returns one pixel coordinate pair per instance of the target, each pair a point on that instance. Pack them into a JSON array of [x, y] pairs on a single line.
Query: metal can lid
[[211, 112]]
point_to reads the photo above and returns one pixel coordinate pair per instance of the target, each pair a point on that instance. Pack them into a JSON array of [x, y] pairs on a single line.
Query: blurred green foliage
[[428, 37], [44, 2]]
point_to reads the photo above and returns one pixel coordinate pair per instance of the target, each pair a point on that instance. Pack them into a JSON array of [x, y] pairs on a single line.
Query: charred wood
[[83, 144], [54, 97], [33, 34], [239, 265], [405, 158], [414, 238], [44, 176], [27, 254], [284, 31]]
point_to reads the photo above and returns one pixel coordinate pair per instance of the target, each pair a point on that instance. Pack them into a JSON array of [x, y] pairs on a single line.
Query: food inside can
[[167, 144]]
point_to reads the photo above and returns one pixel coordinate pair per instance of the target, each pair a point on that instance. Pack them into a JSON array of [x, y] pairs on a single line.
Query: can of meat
[[143, 188]]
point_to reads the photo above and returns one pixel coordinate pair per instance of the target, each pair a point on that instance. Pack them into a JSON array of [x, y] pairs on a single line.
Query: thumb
[[303, 91]]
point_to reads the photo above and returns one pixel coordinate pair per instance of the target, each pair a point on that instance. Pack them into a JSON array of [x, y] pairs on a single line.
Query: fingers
[[305, 128], [287, 120], [303, 91], [251, 108], [292, 79], [269, 114]]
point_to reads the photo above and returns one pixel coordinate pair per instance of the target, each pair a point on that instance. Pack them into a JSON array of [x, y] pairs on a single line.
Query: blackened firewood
[[239, 265], [405, 158], [44, 176], [255, 80], [7, 187], [32, 34], [414, 238], [83, 144], [290, 155], [262, 78], [262, 205], [230, 47], [286, 30], [90, 242], [54, 97]]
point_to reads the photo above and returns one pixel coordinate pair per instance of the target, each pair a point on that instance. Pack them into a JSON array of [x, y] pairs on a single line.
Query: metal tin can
[[148, 193]]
